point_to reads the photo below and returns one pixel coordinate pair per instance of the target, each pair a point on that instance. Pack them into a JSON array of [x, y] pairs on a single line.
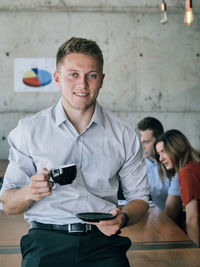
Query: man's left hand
[[111, 227]]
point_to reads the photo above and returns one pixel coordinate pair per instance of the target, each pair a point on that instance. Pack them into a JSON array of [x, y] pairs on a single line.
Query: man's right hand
[[40, 186], [17, 200]]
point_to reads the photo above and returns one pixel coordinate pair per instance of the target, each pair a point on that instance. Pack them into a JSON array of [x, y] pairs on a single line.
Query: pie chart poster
[[34, 75]]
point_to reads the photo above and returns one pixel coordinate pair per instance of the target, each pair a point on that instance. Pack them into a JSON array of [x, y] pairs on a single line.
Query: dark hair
[[150, 123], [179, 150], [80, 45]]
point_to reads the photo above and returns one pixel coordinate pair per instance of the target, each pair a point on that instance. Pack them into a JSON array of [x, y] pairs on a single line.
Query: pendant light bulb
[[163, 8], [188, 17]]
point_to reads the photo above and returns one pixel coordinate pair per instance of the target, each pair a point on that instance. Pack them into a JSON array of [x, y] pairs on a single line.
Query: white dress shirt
[[108, 150]]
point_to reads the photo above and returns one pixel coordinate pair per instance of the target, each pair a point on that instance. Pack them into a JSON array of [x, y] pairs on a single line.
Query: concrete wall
[[151, 69]]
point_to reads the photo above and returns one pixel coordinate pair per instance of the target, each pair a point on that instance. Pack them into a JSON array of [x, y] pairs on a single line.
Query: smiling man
[[76, 130], [80, 78]]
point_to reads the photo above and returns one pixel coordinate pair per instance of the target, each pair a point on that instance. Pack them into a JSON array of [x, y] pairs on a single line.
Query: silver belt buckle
[[69, 226], [88, 227]]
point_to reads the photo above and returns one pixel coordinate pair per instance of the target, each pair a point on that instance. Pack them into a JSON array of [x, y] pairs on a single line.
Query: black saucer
[[95, 216]]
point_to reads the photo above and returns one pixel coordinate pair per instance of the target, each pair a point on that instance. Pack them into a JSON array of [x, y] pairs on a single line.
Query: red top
[[189, 180]]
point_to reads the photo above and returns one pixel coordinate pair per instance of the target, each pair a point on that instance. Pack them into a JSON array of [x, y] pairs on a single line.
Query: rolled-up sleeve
[[21, 166], [174, 186], [133, 174]]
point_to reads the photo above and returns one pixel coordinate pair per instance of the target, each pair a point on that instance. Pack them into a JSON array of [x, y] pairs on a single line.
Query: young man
[[164, 193], [105, 150]]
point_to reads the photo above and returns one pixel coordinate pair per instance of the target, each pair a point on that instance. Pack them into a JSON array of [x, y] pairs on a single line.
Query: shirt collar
[[60, 115], [98, 115], [150, 161]]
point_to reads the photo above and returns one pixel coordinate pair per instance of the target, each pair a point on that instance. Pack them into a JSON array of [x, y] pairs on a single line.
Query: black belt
[[70, 228]]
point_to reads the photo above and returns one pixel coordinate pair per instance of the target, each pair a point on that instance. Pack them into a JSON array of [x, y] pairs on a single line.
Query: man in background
[[164, 193]]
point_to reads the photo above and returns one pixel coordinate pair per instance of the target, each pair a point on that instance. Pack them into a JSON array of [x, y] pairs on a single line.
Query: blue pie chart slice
[[37, 77]]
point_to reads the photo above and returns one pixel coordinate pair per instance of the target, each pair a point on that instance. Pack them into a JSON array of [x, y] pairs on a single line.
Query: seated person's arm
[[17, 200], [172, 206], [192, 220]]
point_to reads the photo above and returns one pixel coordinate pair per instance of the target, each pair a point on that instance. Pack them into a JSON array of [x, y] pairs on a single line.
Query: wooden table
[[12, 228], [156, 241]]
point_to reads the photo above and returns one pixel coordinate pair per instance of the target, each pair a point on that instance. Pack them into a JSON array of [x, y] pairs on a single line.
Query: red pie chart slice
[[32, 81]]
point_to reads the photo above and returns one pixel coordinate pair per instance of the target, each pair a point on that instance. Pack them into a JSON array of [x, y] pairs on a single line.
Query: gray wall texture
[[151, 69]]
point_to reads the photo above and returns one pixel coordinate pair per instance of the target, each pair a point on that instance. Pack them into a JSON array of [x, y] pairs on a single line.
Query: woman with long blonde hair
[[176, 154]]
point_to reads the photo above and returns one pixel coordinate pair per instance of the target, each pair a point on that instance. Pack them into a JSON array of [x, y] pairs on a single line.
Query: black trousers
[[55, 248]]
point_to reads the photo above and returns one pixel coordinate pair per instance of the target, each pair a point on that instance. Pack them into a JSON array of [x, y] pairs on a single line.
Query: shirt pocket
[[101, 173]]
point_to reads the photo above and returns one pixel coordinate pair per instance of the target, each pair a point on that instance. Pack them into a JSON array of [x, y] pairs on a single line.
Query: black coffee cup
[[64, 174]]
